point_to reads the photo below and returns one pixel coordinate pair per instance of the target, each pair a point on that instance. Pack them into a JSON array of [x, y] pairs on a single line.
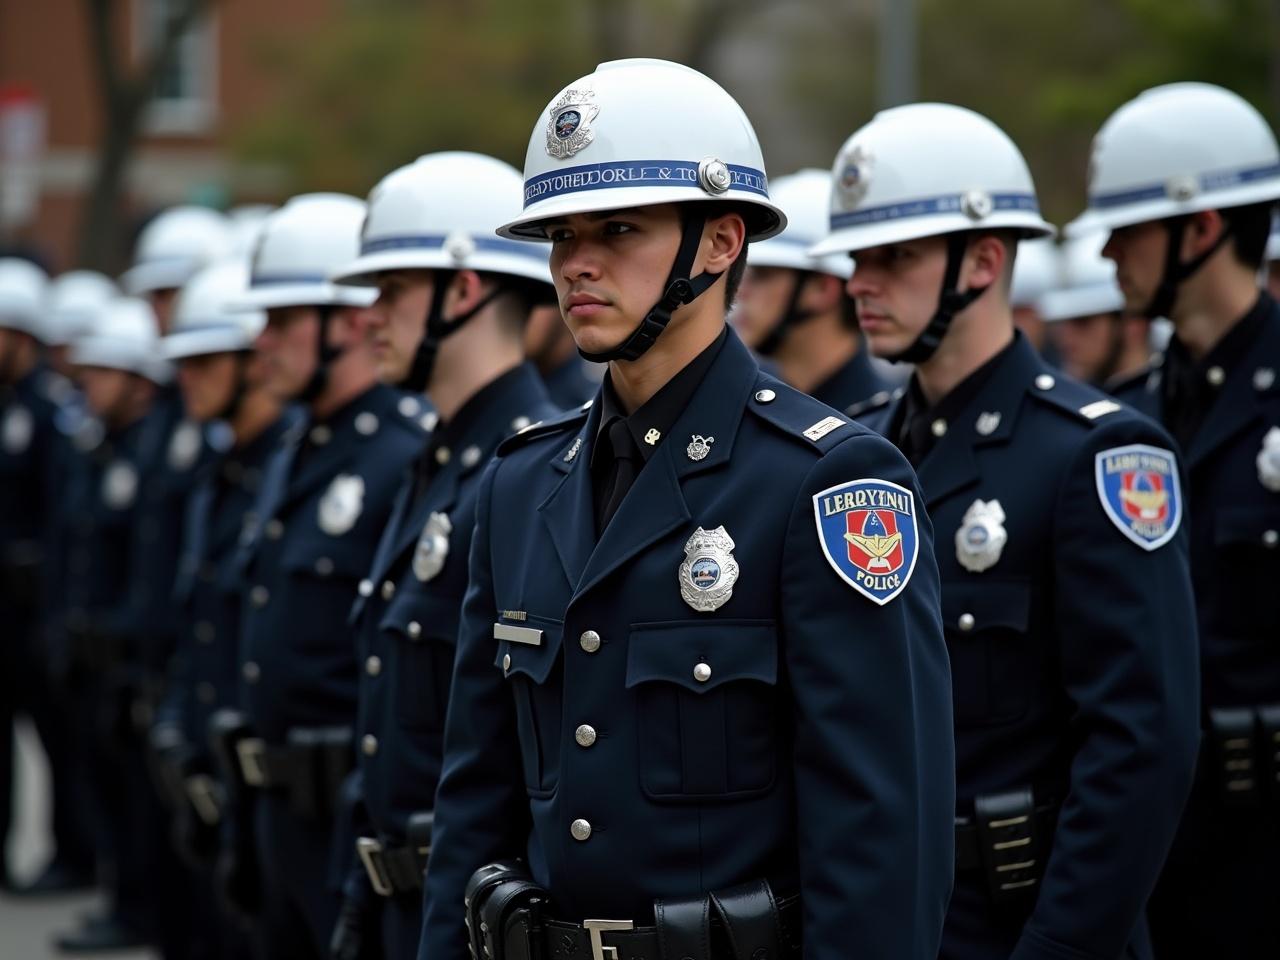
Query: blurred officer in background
[[325, 500], [569, 379], [170, 249], [1185, 177], [1065, 587], [1034, 272], [792, 308], [1273, 259]]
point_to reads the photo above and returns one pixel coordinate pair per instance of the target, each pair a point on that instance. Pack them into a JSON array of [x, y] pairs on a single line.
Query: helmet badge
[[854, 177], [569, 123]]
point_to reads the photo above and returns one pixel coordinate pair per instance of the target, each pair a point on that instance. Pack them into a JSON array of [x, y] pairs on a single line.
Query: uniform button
[[365, 589], [1215, 375], [519, 423], [251, 671], [506, 663], [580, 829], [702, 672], [470, 457], [414, 629], [367, 423], [205, 693], [259, 596], [274, 530], [585, 735], [321, 435], [765, 396], [407, 406], [1045, 382], [938, 427], [1270, 538], [324, 566], [369, 744], [966, 622], [204, 631], [442, 455], [373, 666], [388, 589], [589, 641]]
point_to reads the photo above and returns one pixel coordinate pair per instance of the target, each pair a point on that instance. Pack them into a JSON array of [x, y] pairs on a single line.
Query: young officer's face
[[896, 288], [609, 269], [761, 300], [399, 321], [1139, 254], [289, 348]]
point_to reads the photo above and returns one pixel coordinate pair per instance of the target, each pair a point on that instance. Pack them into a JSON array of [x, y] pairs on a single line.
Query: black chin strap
[[325, 355], [791, 317], [680, 289], [436, 327], [950, 302], [1175, 271]]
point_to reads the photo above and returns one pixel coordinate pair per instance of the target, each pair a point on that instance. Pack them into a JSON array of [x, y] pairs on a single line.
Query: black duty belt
[[393, 870], [1008, 839], [309, 769]]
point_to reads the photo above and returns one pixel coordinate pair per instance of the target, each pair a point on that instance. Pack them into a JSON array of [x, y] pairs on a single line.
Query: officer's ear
[[722, 241], [466, 290], [988, 261], [1203, 230]]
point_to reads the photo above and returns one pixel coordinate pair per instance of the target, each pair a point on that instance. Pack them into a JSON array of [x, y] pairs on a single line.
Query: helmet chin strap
[[791, 317], [1175, 270], [950, 302], [436, 327], [325, 355], [680, 289]]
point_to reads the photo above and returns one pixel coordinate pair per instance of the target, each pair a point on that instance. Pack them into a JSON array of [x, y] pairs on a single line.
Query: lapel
[[952, 464], [568, 511]]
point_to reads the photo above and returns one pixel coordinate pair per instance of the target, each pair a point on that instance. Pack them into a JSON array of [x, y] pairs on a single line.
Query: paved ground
[[27, 927]]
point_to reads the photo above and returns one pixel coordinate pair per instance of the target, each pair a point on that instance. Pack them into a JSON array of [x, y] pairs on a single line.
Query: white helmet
[[638, 133], [24, 288], [123, 338], [1178, 149], [301, 244], [207, 318], [76, 300], [805, 197], [1035, 271], [173, 246], [440, 213], [247, 221], [1086, 282], [925, 170]]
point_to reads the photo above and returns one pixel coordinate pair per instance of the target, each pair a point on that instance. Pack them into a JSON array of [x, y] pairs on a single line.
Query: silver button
[[367, 423], [205, 693], [506, 663], [470, 457], [585, 735], [324, 566], [519, 423], [1270, 538], [407, 406], [373, 666], [414, 629], [966, 622], [580, 830], [204, 632], [369, 744], [938, 428], [442, 455], [702, 672], [1215, 375], [274, 530], [259, 596], [251, 671], [765, 396], [429, 420], [1045, 382], [388, 589], [366, 588], [589, 641], [321, 435]]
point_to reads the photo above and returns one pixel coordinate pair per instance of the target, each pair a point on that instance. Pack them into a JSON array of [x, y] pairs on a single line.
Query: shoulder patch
[[1140, 492], [544, 428], [823, 427], [867, 531]]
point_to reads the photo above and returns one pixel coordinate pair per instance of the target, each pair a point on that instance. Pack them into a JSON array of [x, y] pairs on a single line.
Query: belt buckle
[[370, 851], [594, 930], [202, 792], [251, 752]]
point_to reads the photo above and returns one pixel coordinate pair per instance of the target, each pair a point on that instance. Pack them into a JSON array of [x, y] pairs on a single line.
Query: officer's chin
[[600, 337]]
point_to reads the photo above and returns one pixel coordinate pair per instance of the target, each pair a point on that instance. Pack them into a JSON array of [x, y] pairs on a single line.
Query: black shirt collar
[[1228, 352], [915, 426]]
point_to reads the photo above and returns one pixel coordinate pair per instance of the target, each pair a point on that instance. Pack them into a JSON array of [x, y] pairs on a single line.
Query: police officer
[[792, 308], [1065, 589], [451, 310], [325, 500], [173, 245], [1273, 259], [76, 298], [211, 343], [1097, 340], [682, 690], [1034, 273], [1185, 176]]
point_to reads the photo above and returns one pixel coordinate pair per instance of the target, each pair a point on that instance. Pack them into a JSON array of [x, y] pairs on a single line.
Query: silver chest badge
[[709, 570], [433, 547], [1269, 460], [184, 446], [699, 447], [982, 536], [119, 485], [19, 425], [569, 123], [341, 504]]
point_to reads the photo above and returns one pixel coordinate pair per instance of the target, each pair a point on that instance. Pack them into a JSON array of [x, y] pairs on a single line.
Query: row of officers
[[854, 628]]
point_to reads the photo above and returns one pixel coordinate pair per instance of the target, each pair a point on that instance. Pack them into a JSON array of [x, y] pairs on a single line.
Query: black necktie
[[622, 471]]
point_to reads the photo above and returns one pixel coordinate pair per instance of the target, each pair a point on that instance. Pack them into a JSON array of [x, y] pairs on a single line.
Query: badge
[[433, 547], [982, 536], [855, 177], [699, 447], [1263, 379], [709, 570], [119, 485], [341, 504], [1269, 460], [569, 123], [988, 423], [867, 529], [1140, 493], [19, 425], [184, 446]]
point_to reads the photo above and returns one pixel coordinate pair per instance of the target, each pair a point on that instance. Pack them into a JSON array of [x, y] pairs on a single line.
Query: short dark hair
[[1250, 227], [733, 276]]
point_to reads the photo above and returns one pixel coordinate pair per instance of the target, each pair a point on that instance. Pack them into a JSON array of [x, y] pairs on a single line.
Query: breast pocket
[[528, 653], [987, 637], [423, 633], [706, 696], [1247, 555], [319, 588]]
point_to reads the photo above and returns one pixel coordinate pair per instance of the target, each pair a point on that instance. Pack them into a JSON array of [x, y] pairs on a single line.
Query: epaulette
[[799, 415], [877, 401], [543, 428], [1080, 401]]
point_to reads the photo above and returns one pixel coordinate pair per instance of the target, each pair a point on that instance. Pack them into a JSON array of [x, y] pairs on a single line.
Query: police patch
[[1140, 493], [868, 533]]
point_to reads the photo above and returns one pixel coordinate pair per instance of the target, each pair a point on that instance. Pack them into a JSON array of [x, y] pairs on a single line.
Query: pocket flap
[[417, 618], [518, 654], [326, 558], [990, 604], [1246, 525], [700, 656]]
